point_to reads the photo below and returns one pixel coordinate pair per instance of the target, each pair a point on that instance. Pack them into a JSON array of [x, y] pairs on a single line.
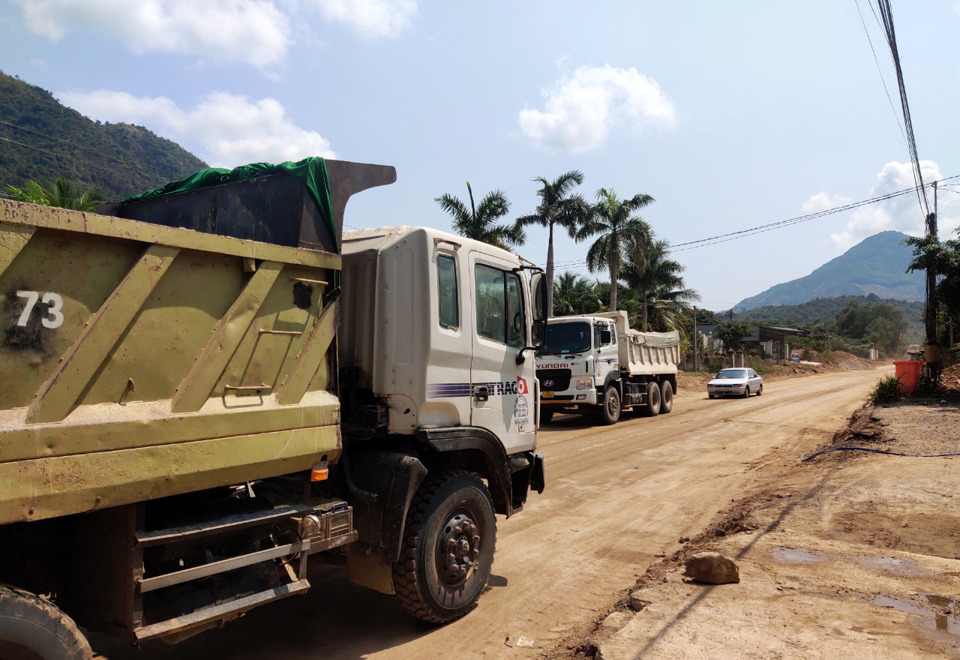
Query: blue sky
[[731, 115]]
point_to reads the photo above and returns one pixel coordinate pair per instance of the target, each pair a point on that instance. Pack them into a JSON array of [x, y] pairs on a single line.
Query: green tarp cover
[[313, 172]]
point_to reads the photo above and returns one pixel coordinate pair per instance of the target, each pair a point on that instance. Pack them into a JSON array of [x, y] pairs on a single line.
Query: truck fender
[[393, 479], [481, 452]]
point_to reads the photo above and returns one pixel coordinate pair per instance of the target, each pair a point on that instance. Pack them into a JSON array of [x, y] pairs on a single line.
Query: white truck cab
[[596, 364]]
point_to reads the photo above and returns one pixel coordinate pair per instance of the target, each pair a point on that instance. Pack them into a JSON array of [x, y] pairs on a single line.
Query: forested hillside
[[41, 140]]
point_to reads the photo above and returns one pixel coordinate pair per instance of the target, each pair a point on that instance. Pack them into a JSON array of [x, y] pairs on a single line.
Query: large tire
[[666, 397], [34, 629], [609, 411], [545, 416], [438, 584], [652, 407]]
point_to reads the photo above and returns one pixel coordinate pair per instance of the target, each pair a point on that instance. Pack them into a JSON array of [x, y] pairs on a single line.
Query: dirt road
[[617, 496]]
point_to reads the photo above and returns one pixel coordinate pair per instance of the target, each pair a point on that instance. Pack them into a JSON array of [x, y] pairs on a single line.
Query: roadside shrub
[[926, 386], [758, 365], [886, 390]]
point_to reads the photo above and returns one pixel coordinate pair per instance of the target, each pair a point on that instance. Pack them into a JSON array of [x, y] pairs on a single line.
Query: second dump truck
[[204, 386], [596, 365]]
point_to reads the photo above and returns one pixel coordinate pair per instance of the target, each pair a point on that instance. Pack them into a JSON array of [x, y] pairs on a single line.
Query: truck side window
[[449, 300], [516, 323], [491, 303], [500, 307]]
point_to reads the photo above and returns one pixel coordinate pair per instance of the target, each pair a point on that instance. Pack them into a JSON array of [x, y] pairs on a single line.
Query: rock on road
[[616, 496]]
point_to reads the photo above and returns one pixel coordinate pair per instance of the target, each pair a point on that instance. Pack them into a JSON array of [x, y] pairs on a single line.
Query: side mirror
[[538, 286], [606, 337]]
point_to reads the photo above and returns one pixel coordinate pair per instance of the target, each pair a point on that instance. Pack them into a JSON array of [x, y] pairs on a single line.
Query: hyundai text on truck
[[206, 385], [596, 365]]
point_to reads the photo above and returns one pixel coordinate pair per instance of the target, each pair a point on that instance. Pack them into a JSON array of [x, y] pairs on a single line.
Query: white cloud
[[233, 130], [371, 18], [823, 201], [901, 213], [582, 110], [252, 31]]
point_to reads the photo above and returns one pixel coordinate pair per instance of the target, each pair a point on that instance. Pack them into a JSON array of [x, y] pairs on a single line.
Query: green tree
[[573, 294], [480, 223], [614, 220], [731, 333], [657, 280], [62, 194], [558, 207], [873, 325], [32, 192], [944, 258]]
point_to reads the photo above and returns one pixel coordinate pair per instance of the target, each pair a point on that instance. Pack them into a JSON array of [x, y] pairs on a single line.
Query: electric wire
[[128, 175], [744, 233], [880, 71], [886, 15]]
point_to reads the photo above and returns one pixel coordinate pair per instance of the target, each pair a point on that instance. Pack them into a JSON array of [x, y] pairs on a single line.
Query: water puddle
[[892, 565], [944, 618], [795, 556]]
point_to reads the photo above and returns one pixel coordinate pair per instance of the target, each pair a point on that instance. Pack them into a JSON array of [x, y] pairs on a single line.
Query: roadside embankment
[[850, 554]]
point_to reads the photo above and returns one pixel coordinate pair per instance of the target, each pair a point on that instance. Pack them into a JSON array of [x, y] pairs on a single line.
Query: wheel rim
[[613, 405], [458, 548]]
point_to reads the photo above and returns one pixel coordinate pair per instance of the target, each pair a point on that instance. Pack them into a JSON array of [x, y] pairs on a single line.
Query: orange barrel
[[908, 373]]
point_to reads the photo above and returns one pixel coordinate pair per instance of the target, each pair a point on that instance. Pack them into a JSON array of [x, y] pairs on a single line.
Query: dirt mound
[[950, 378], [849, 361]]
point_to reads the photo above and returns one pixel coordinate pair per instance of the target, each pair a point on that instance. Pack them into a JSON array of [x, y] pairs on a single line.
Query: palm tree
[[63, 195], [480, 223], [658, 280], [614, 220], [558, 207], [573, 294]]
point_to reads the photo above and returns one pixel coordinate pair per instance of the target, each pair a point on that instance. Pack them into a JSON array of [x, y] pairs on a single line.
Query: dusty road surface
[[617, 497]]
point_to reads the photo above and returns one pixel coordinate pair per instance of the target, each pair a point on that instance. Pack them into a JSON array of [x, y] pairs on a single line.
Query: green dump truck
[[204, 386]]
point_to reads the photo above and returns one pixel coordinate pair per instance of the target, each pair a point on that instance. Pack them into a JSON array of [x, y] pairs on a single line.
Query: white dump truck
[[204, 387], [595, 364]]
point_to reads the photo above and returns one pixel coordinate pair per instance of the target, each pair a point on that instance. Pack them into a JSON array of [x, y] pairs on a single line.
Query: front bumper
[[570, 397], [729, 390]]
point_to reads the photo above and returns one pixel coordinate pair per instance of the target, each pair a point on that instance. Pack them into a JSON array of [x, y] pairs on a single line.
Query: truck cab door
[[502, 391]]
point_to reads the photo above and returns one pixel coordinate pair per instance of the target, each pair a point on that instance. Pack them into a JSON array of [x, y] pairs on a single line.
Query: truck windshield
[[566, 338]]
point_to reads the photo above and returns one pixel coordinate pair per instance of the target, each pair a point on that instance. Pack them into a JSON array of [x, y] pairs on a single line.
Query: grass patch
[[886, 390]]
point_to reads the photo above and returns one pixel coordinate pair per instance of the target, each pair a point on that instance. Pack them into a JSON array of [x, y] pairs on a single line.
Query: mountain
[[876, 265], [41, 139], [826, 309]]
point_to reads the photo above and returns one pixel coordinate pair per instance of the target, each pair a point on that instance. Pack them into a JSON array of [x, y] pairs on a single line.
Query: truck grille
[[554, 380]]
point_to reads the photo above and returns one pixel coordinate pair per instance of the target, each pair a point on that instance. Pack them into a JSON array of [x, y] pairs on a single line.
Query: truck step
[[233, 609]]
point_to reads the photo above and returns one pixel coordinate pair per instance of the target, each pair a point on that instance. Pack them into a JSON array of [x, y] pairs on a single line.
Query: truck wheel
[[610, 410], [33, 629], [652, 406], [448, 547], [666, 398], [545, 416]]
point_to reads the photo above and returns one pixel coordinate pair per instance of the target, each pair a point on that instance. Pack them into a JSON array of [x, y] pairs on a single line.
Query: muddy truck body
[[597, 365], [201, 390]]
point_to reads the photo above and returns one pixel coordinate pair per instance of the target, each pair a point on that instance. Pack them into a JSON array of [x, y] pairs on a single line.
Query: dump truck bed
[[141, 361], [644, 353]]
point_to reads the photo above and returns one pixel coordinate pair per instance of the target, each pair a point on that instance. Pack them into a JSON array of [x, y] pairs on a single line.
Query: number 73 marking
[[54, 303]]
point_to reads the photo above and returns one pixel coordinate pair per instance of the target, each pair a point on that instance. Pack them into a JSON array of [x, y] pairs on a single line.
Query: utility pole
[[696, 342], [930, 318]]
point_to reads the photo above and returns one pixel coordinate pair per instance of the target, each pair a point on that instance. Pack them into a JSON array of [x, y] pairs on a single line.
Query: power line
[[886, 14], [880, 71], [128, 175], [744, 233], [74, 145]]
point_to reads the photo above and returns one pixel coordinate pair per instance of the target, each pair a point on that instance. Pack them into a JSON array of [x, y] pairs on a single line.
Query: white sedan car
[[735, 382]]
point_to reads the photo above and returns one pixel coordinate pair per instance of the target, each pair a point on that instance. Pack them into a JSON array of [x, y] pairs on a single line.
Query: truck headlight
[[585, 384]]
